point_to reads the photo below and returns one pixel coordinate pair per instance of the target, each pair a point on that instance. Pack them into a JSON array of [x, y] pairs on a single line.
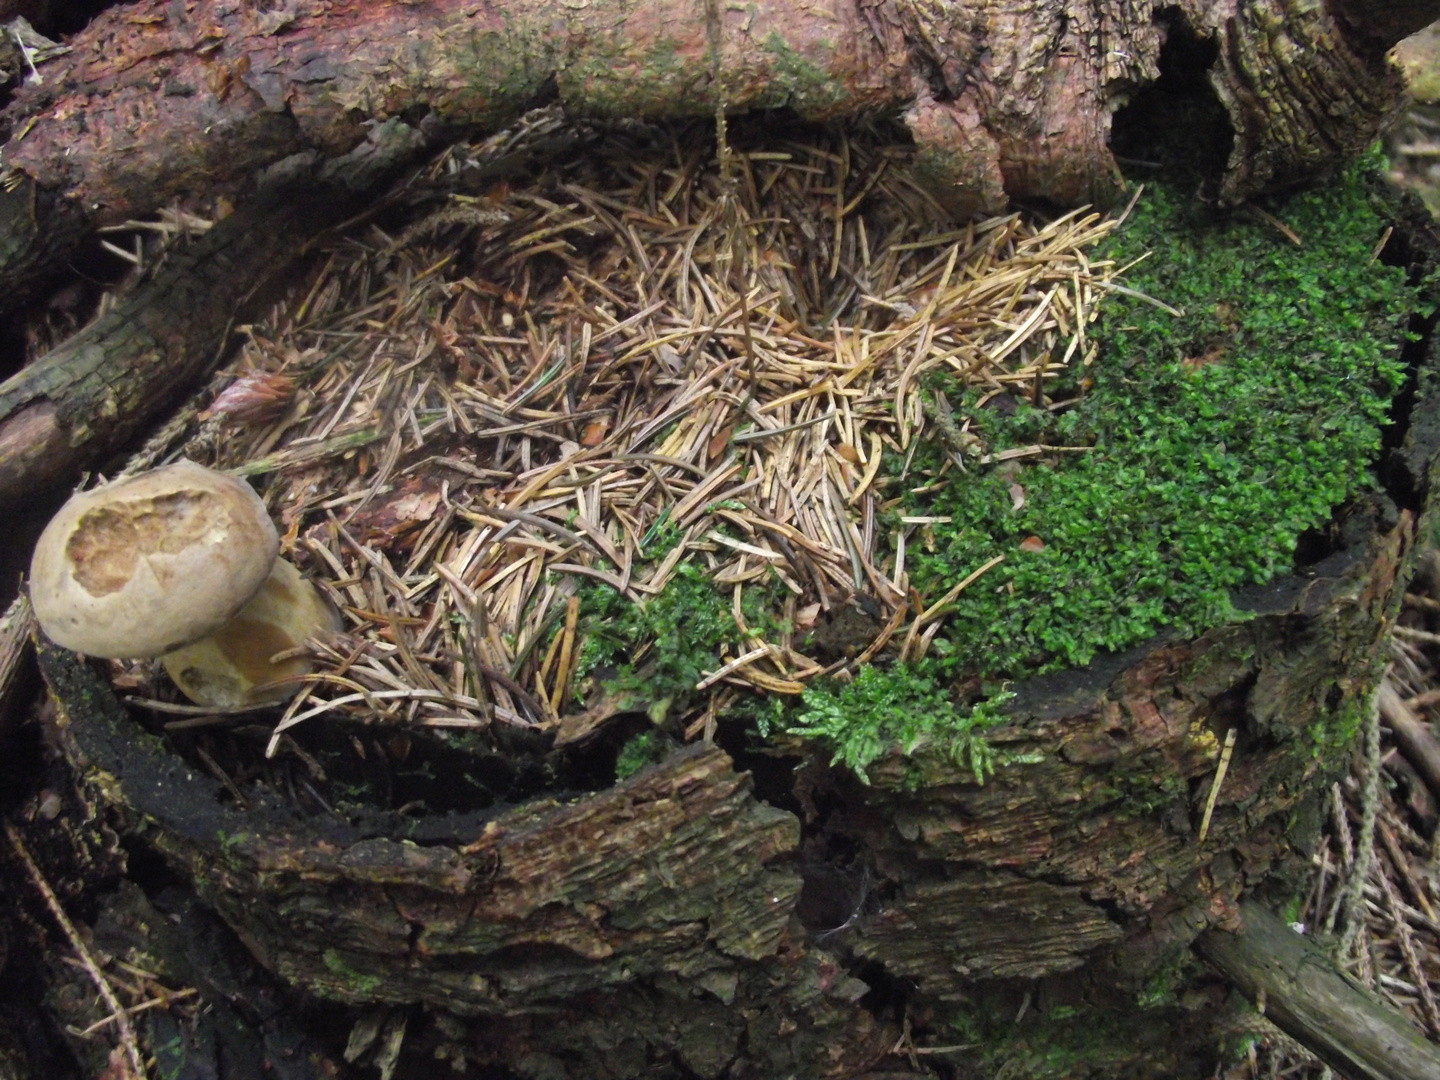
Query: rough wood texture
[[1078, 866], [672, 883], [1005, 100], [1092, 848], [1309, 999], [104, 386]]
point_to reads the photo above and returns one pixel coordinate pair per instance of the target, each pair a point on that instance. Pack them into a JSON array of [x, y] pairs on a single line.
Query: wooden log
[[1299, 988], [1005, 100], [100, 389]]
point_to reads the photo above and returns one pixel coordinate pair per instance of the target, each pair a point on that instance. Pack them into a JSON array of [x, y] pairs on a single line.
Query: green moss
[[358, 984], [1335, 730], [1049, 1044], [1141, 793], [906, 705], [1220, 420], [1214, 438], [499, 77], [1169, 978], [660, 649], [799, 83], [614, 78], [644, 749]]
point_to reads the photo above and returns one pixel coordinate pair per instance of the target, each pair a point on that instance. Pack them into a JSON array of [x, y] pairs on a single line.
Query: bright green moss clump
[[1217, 437], [660, 650], [908, 706]]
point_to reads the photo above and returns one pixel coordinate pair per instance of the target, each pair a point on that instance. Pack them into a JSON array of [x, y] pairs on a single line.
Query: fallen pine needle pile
[[554, 380]]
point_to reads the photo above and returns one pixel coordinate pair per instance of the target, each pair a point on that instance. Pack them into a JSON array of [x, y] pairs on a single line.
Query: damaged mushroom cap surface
[[180, 563], [140, 566]]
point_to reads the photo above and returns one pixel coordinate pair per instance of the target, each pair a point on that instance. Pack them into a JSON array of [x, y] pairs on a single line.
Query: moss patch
[[1215, 438], [910, 706], [1237, 395], [1217, 429], [659, 650]]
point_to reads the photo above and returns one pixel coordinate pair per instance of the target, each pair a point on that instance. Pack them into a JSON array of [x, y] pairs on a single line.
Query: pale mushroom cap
[[143, 565]]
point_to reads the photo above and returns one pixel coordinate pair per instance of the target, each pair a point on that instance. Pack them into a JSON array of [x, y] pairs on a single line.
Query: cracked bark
[[1068, 879], [1006, 101]]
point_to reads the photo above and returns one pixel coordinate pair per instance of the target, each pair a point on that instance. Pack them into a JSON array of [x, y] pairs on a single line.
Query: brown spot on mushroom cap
[[142, 565], [109, 540]]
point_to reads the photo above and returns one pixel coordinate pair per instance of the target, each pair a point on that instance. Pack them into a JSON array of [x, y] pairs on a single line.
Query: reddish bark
[[1006, 100]]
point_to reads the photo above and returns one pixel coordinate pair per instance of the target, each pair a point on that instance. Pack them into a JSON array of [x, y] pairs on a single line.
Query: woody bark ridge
[[1006, 101], [681, 877]]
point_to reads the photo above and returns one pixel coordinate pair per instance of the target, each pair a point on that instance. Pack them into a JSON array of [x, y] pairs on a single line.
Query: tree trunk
[[1005, 101]]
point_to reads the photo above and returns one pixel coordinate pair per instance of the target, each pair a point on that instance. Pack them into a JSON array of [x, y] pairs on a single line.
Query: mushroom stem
[[236, 664]]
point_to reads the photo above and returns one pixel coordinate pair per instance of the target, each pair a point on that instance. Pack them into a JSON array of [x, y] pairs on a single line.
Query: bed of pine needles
[[627, 360]]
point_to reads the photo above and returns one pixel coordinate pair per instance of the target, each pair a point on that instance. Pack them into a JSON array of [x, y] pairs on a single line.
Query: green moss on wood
[[800, 83], [1237, 397], [1215, 438], [907, 705]]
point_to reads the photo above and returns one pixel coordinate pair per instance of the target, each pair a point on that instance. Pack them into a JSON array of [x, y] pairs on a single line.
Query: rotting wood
[[680, 878], [922, 829], [1004, 101], [107, 384], [1412, 736], [676, 877], [1084, 845], [1298, 987]]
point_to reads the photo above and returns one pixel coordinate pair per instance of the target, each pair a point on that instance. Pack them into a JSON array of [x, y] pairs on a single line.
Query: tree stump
[[752, 913], [743, 913]]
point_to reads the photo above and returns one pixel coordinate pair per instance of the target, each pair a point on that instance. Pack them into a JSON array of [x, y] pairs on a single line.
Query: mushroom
[[180, 563]]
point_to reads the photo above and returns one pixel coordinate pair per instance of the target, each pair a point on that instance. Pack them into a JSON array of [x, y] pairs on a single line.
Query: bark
[[1074, 874], [1006, 101], [103, 387], [674, 883], [1304, 994]]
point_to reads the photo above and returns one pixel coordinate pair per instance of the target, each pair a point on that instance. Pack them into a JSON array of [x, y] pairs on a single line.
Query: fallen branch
[[1004, 100], [104, 386], [1301, 990], [1412, 736]]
